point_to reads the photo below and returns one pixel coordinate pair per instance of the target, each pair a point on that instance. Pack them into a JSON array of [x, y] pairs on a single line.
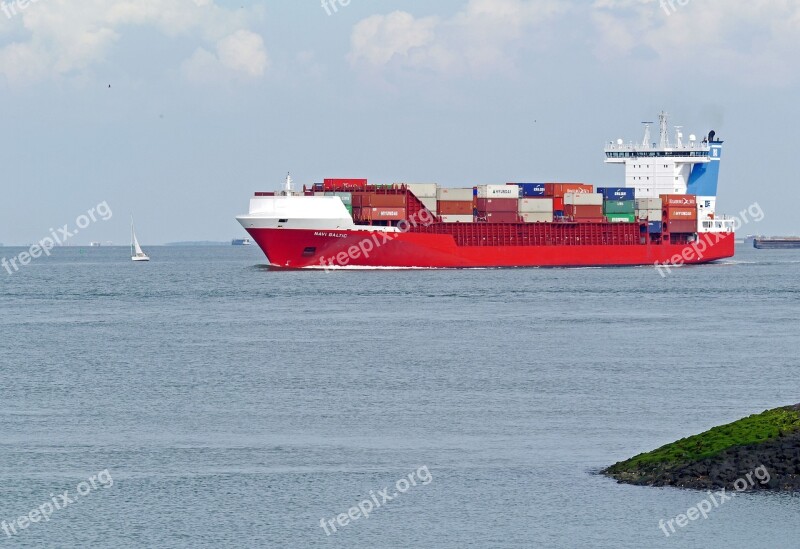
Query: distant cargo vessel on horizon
[[665, 213], [777, 243]]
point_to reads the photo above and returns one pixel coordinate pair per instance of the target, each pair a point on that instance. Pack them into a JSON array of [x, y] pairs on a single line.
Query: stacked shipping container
[[679, 213], [455, 205], [379, 207], [513, 203], [619, 204], [536, 210], [583, 206], [497, 210], [426, 193]]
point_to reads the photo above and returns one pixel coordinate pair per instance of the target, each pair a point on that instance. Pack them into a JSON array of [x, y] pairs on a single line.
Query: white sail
[[136, 248], [137, 254]]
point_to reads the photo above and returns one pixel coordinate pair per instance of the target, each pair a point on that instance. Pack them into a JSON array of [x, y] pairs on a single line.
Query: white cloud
[[241, 53], [61, 37], [480, 39], [742, 39]]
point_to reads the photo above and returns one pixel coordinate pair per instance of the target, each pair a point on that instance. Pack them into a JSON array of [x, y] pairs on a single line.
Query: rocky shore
[[763, 449]]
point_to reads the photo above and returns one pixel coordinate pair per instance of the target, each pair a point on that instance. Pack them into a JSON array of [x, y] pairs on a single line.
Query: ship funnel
[[704, 177]]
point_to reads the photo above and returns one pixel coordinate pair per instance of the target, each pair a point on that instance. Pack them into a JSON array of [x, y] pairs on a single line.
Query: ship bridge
[[666, 167]]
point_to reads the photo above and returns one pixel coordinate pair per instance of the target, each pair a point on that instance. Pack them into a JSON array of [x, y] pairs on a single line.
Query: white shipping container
[[429, 203], [536, 205], [649, 215], [540, 217], [422, 190], [460, 195], [498, 191], [649, 204], [456, 219], [583, 199]]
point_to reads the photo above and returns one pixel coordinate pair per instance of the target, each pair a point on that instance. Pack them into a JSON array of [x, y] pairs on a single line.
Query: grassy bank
[[754, 429]]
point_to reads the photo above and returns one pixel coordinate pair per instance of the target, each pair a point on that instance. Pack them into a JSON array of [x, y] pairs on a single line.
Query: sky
[[176, 111]]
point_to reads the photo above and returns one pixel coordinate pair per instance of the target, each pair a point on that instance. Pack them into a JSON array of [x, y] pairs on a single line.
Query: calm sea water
[[234, 406]]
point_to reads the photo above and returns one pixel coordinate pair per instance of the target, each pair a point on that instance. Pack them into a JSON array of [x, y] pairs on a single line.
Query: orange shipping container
[[583, 211], [498, 204], [386, 201], [681, 214], [373, 200], [558, 190], [386, 214], [453, 207], [684, 200]]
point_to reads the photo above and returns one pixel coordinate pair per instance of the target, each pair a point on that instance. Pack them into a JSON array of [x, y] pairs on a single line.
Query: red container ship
[[348, 223]]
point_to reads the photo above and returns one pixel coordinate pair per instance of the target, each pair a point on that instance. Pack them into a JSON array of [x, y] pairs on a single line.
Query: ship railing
[[631, 147]]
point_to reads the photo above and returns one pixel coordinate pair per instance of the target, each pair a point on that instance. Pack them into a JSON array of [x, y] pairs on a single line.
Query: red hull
[[302, 248]]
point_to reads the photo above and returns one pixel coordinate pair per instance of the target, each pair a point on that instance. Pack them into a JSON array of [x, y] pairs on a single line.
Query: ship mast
[[664, 128], [646, 140], [288, 186]]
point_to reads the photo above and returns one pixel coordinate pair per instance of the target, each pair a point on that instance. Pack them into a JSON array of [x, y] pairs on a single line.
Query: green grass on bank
[[750, 430]]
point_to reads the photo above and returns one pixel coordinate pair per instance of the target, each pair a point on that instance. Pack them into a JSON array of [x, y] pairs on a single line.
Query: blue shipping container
[[617, 193], [654, 227], [530, 189]]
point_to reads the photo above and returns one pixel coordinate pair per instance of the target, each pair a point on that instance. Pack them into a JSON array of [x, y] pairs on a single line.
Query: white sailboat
[[137, 254]]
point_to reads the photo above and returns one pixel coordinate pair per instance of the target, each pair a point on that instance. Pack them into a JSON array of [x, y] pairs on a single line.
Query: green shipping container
[[621, 218], [619, 207], [347, 198]]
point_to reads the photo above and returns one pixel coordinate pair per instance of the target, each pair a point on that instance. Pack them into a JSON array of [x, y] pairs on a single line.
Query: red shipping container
[[357, 200], [343, 184], [681, 214], [684, 200], [558, 190], [590, 220], [498, 204], [682, 226], [387, 214], [455, 207], [502, 217], [583, 211], [558, 204], [386, 201]]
